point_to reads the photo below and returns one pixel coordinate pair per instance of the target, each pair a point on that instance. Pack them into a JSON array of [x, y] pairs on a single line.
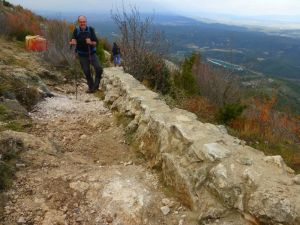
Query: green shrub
[[15, 126], [106, 45], [230, 112], [20, 34], [7, 168], [156, 73], [6, 172], [3, 112], [185, 79], [100, 53]]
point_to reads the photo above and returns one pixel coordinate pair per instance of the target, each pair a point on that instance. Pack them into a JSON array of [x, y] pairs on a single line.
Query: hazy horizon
[[283, 14]]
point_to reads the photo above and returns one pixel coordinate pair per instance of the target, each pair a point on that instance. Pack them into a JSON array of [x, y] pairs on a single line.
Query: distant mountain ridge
[[263, 52], [272, 52]]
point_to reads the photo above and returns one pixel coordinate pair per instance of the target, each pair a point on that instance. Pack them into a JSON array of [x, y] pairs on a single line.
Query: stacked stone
[[217, 175]]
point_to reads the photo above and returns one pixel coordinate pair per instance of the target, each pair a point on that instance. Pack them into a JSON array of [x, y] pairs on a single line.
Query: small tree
[[59, 53], [142, 48], [100, 52], [230, 112], [58, 35], [186, 78], [220, 86]]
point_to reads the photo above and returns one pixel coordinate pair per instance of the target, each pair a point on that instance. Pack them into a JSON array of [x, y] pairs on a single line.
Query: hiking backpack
[[88, 30]]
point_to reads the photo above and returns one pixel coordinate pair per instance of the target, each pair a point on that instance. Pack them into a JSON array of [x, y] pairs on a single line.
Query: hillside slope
[[17, 22], [72, 162], [74, 165]]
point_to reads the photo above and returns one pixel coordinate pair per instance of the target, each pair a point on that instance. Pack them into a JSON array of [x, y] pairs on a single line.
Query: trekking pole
[[76, 81], [90, 59], [76, 85]]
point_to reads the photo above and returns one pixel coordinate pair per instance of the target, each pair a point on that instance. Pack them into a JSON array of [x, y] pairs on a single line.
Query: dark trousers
[[85, 62]]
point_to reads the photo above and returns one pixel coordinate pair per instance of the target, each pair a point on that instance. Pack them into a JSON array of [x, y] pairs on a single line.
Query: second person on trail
[[116, 54], [85, 39]]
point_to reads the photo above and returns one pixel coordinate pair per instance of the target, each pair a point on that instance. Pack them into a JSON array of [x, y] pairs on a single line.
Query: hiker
[[85, 39], [116, 54]]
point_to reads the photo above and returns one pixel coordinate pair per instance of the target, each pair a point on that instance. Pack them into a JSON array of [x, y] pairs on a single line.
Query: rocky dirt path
[[88, 175]]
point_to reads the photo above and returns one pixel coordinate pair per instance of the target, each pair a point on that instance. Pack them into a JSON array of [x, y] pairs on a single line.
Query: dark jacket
[[116, 49], [82, 48]]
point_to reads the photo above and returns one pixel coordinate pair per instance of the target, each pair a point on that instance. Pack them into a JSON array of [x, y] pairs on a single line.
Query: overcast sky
[[234, 7]]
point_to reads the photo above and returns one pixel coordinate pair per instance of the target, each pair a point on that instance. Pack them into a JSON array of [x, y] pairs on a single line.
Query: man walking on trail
[[85, 39]]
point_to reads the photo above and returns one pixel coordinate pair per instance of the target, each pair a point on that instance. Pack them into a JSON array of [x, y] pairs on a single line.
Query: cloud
[[253, 7], [239, 7]]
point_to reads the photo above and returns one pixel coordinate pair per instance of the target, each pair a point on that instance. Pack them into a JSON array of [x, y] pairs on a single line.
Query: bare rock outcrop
[[214, 173], [13, 141]]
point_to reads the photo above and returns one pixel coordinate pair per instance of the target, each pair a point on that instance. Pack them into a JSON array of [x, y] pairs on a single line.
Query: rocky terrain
[[217, 175], [74, 165], [122, 156], [77, 169]]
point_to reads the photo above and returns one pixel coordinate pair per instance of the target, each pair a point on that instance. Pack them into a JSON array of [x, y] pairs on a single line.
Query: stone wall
[[215, 174]]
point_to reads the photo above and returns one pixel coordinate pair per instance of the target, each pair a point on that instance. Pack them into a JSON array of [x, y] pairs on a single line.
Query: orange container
[[36, 43]]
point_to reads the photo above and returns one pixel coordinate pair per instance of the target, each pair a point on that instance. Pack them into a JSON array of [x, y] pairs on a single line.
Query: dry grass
[[58, 35], [18, 22], [275, 136]]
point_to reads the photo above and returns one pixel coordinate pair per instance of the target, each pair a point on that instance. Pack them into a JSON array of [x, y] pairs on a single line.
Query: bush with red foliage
[[19, 22]]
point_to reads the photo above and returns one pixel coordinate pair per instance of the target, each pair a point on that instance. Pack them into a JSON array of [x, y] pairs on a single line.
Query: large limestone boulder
[[23, 85], [14, 108], [15, 142]]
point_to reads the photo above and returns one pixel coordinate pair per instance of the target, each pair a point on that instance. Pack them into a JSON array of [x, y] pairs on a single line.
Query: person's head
[[82, 22]]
